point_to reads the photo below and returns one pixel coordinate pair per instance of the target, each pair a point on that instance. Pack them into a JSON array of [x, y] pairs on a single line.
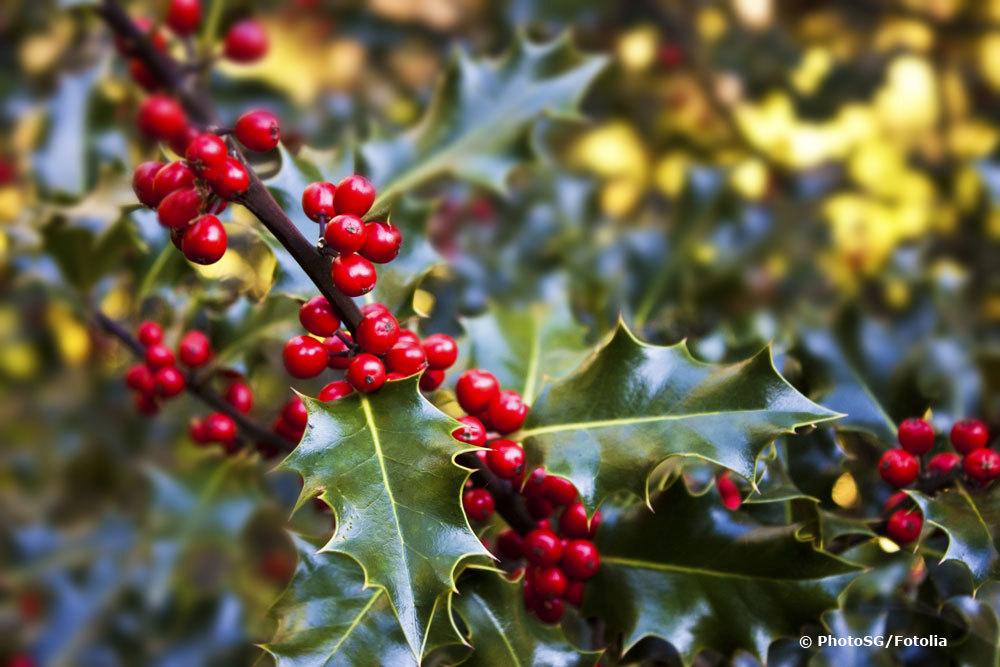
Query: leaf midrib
[[665, 567], [499, 628], [354, 624]]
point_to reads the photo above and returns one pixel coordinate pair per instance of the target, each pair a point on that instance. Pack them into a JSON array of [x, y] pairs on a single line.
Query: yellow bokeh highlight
[[71, 336], [812, 69], [845, 491], [670, 173], [750, 178], [636, 49]]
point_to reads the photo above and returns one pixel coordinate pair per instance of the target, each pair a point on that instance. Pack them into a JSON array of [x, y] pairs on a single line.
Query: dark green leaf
[[972, 522]]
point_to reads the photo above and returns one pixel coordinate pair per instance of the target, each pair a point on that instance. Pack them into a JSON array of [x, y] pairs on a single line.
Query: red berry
[[378, 333], [245, 42], [180, 143], [295, 413], [258, 130], [240, 396], [382, 241], [550, 582], [573, 521], [968, 435], [204, 241], [916, 436], [507, 411], [895, 502], [173, 176], [441, 351], [143, 179], [505, 458], [317, 201], [353, 274], [194, 349], [510, 546], [146, 27], [355, 195], [533, 487], [530, 598], [220, 428], [392, 376], [183, 16], [304, 357], [150, 333], [431, 379], [558, 490], [318, 318], [206, 152], [904, 526], [146, 404], [337, 352], [580, 559], [161, 117], [229, 180], [728, 491], [197, 431], [159, 356], [471, 431], [550, 610], [345, 233], [140, 378], [982, 464], [539, 507], [366, 373], [574, 593], [898, 467], [405, 359], [405, 335], [943, 463], [478, 504], [143, 75], [543, 547], [475, 390], [169, 381], [179, 208], [334, 390]]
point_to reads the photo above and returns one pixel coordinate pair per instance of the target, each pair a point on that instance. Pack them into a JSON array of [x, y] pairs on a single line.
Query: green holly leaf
[[632, 405], [329, 617], [384, 462], [479, 116], [528, 347], [698, 575], [971, 520], [501, 630]]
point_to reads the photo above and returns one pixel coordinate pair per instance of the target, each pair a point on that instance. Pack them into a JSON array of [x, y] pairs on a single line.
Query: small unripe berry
[[405, 359], [431, 379], [295, 413], [353, 274], [183, 16], [245, 42], [916, 436], [317, 317], [558, 490], [143, 179], [441, 351], [543, 547], [345, 233], [304, 357], [258, 130], [159, 356], [382, 242], [943, 463], [377, 334], [580, 559], [169, 381], [969, 435], [150, 333], [471, 431], [229, 180], [550, 582], [240, 396], [475, 390], [982, 464], [220, 428], [550, 610], [507, 411], [510, 546], [206, 152], [334, 390], [366, 373], [337, 352], [505, 458], [478, 504], [140, 378], [179, 208], [317, 201], [171, 177], [204, 241], [161, 117], [904, 526], [898, 467], [355, 195]]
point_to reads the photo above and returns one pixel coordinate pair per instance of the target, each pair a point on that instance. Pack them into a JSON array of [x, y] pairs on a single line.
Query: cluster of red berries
[[245, 41], [339, 210], [187, 194], [900, 467], [218, 427], [158, 378], [383, 351]]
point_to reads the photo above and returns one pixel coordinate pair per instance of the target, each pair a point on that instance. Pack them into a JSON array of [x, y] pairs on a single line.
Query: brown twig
[[508, 503], [193, 385], [257, 198]]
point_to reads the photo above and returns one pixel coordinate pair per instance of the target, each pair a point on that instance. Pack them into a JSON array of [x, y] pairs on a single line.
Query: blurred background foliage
[[822, 176]]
